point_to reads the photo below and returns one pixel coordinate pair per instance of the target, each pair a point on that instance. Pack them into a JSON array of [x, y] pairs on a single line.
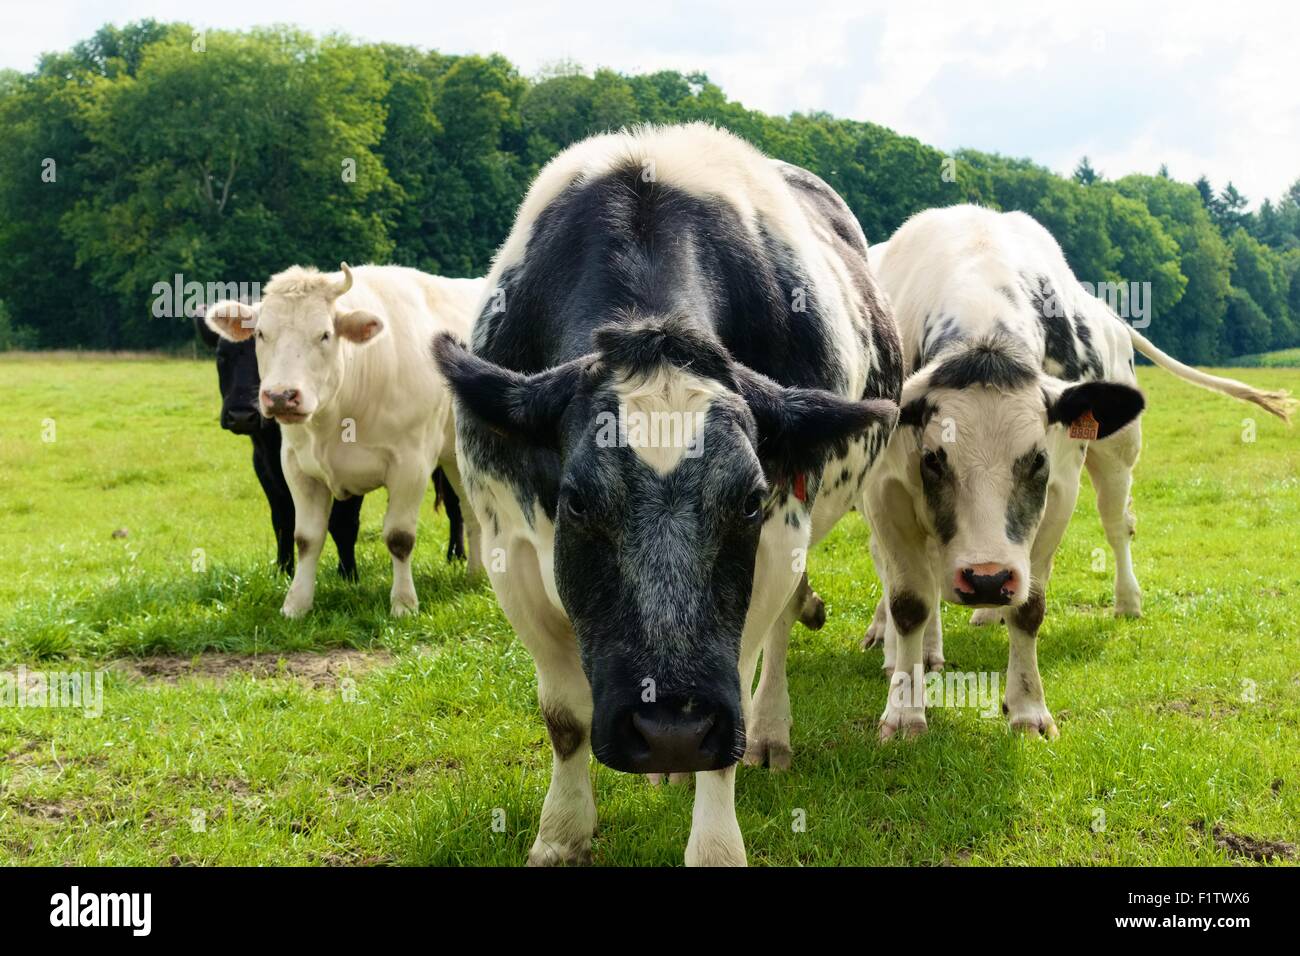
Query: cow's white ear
[[232, 320], [359, 326]]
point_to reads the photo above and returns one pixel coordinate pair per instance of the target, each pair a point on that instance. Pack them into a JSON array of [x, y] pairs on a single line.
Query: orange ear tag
[[1085, 427]]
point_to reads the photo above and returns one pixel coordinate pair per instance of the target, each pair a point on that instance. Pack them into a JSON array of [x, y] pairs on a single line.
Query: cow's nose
[[243, 421], [669, 738], [675, 741], [986, 584], [282, 399]]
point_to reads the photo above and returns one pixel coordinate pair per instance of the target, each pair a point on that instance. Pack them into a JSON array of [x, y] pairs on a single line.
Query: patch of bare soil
[[1253, 848], [319, 669], [1204, 709]]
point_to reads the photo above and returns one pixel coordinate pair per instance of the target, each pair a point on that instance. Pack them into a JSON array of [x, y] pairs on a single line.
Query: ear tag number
[[1085, 427]]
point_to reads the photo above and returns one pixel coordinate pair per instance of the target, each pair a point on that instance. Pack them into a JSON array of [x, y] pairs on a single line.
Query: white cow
[[345, 370], [1017, 378]]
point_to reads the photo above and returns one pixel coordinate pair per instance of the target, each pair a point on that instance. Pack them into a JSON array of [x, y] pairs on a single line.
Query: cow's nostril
[[668, 739], [988, 584]]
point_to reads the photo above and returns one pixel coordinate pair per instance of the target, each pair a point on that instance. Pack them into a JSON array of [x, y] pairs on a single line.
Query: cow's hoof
[[295, 609], [887, 670], [554, 854], [813, 613], [768, 752], [901, 726], [1034, 722], [1128, 607], [723, 847], [875, 637], [934, 663], [983, 616], [402, 607], [658, 779]]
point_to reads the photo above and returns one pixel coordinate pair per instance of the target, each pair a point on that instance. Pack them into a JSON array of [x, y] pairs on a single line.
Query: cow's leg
[[280, 501], [767, 729], [406, 486], [911, 589], [1026, 705], [311, 506], [875, 636], [932, 645], [345, 524], [569, 811], [1110, 465], [715, 834], [473, 530], [715, 838]]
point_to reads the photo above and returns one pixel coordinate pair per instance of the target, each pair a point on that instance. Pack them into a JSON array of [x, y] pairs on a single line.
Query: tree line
[[153, 150]]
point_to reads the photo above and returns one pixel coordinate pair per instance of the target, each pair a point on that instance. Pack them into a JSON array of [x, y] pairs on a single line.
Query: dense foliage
[[152, 150]]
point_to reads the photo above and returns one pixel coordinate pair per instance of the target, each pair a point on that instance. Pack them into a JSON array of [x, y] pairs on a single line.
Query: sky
[[1203, 88]]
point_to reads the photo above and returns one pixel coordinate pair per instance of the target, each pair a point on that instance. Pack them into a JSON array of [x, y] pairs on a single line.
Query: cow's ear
[[525, 408], [1094, 410], [205, 334], [234, 321], [799, 427], [359, 326]]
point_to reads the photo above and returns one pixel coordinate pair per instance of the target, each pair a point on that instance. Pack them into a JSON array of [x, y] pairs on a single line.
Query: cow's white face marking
[[662, 415], [979, 469]]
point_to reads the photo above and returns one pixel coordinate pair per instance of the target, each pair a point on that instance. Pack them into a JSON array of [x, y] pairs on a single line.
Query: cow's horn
[[347, 280]]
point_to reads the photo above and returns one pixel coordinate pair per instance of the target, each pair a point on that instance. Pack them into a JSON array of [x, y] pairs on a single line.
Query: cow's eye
[[575, 503], [932, 461], [260, 336], [325, 337], [753, 507], [1039, 462]]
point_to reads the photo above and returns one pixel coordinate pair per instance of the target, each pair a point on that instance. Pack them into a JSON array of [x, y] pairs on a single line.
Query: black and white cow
[[1017, 379], [680, 378], [239, 384], [342, 368]]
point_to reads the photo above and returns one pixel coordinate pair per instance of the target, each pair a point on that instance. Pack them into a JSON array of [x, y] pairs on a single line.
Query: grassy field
[[1283, 358], [137, 541]]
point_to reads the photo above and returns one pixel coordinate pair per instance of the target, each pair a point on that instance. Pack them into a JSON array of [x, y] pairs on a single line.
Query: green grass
[[1284, 358], [1186, 719]]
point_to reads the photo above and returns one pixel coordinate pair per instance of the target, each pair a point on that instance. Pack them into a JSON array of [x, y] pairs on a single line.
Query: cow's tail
[[1279, 403]]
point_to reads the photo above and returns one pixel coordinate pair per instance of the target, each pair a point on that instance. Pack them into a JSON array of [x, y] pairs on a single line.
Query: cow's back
[[779, 258], [394, 369], [969, 272]]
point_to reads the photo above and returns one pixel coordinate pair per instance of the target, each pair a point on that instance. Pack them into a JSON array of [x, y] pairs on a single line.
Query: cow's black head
[[669, 451], [238, 380]]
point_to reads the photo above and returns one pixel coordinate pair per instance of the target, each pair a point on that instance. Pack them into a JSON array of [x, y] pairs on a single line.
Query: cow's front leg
[[932, 645], [910, 590], [406, 485], [780, 596], [767, 728], [569, 811], [715, 833], [311, 505], [1026, 704]]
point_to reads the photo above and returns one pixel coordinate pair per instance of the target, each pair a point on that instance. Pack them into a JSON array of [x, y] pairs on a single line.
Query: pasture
[[134, 539]]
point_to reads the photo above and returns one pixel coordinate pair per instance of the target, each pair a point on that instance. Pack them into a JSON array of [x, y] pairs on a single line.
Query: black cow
[[238, 380]]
